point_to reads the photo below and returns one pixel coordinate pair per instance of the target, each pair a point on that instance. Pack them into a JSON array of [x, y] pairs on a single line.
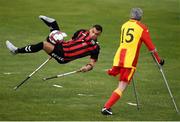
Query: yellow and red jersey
[[133, 33]]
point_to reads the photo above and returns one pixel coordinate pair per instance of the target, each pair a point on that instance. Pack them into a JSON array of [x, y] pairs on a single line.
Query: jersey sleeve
[[77, 33], [95, 53], [148, 42]]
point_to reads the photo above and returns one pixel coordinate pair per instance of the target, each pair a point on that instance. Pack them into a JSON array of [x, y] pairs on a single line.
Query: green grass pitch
[[83, 95]]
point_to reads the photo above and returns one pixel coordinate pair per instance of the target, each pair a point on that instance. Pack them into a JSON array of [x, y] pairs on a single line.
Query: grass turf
[[40, 100]]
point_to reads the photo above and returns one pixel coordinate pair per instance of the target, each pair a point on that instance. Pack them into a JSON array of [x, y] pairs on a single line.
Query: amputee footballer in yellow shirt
[[133, 33]]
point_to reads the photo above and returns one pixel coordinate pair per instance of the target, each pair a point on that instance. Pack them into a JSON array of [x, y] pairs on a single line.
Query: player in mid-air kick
[[83, 43]]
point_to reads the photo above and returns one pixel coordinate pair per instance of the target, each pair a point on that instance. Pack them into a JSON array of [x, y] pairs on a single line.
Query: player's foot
[[50, 22], [11, 47], [106, 111], [46, 19]]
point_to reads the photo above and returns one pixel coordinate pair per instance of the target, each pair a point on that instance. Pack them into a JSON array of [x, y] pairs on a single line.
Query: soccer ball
[[56, 36]]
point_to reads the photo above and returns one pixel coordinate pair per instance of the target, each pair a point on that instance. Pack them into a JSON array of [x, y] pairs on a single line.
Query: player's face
[[94, 33]]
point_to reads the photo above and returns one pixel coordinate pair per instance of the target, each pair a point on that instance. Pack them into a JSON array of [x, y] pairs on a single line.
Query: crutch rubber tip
[[44, 79], [15, 88]]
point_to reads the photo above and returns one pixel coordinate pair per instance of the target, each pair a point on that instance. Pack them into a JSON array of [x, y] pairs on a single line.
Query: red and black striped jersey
[[79, 46]]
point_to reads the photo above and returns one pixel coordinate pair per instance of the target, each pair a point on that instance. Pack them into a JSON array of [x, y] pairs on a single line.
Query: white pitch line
[[58, 86], [133, 104], [7, 73], [85, 95], [10, 73]]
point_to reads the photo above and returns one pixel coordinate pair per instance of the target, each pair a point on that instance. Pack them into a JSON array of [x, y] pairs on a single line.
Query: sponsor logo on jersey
[[58, 57]]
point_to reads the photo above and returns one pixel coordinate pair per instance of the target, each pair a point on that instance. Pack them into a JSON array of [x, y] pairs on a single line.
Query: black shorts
[[58, 53]]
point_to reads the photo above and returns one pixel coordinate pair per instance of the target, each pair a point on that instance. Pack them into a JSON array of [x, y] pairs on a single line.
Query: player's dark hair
[[98, 27]]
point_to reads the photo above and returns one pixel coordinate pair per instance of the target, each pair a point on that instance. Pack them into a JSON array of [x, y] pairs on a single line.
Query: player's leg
[[53, 38], [126, 75], [115, 96], [50, 22], [27, 49], [46, 46], [31, 48], [52, 50]]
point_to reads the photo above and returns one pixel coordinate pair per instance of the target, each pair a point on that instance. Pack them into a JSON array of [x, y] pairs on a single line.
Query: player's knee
[[48, 47], [124, 79]]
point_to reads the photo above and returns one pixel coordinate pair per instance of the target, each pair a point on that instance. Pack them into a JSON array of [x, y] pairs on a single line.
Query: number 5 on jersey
[[128, 35]]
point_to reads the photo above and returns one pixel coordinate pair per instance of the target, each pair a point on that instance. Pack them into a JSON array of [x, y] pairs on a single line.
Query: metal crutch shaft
[[61, 75], [15, 88], [135, 94], [165, 80]]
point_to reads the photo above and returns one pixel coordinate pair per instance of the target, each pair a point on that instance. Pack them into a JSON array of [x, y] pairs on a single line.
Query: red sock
[[113, 99]]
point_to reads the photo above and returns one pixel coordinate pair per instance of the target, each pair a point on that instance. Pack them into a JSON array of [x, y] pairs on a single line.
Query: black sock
[[31, 48], [54, 26]]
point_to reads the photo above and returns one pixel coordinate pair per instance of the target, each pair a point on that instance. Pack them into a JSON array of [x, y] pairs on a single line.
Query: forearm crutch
[[165, 80], [135, 94], [28, 77], [61, 75]]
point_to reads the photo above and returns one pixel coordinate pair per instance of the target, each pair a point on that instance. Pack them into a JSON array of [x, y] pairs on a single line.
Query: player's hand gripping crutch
[[28, 77], [61, 75], [165, 80]]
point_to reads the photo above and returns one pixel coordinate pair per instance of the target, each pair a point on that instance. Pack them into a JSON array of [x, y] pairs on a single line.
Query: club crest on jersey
[[93, 42]]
